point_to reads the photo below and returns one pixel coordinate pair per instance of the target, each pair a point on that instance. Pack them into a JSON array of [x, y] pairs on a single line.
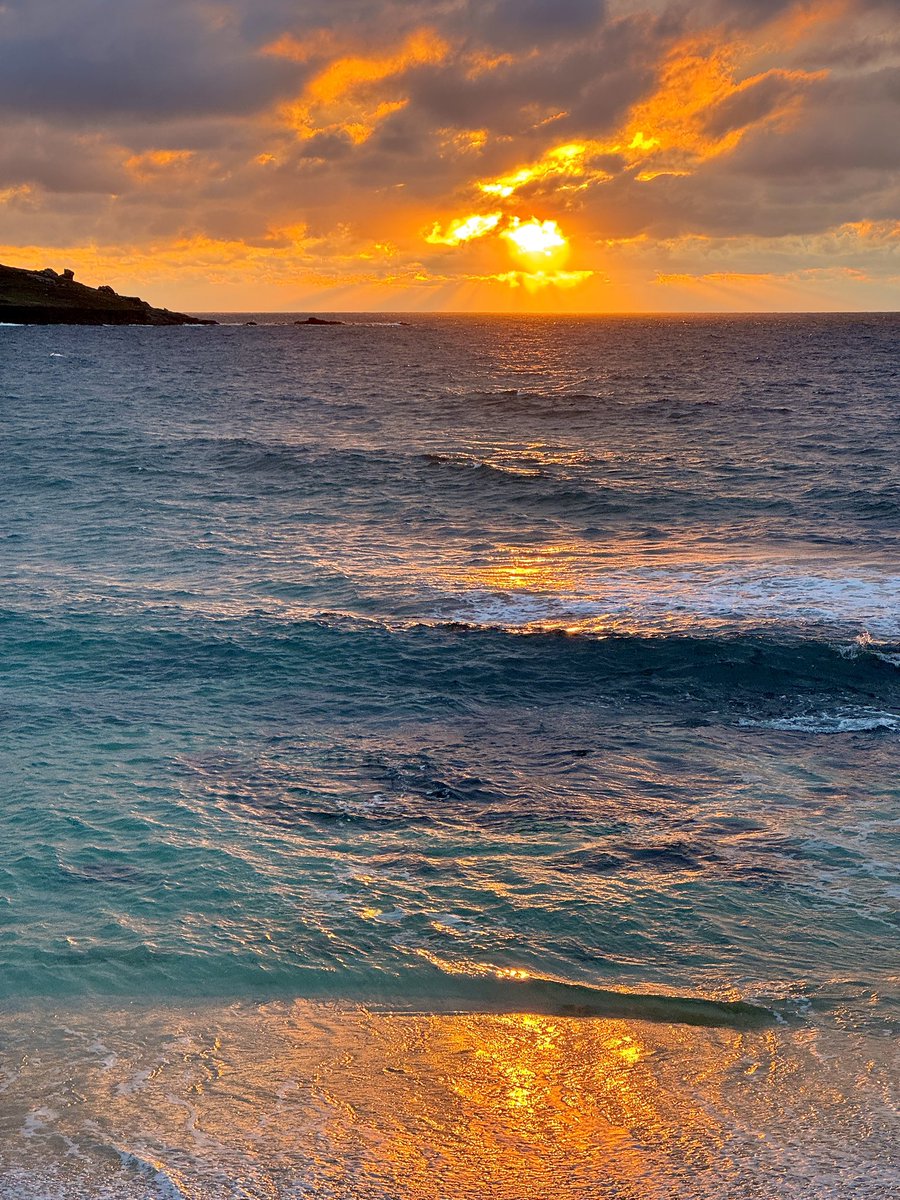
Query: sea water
[[450, 756]]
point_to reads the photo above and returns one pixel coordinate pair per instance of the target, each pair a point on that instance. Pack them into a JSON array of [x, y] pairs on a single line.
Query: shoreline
[[274, 1099]]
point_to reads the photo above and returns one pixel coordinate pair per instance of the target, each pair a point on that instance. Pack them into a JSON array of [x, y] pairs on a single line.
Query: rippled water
[[463, 665]]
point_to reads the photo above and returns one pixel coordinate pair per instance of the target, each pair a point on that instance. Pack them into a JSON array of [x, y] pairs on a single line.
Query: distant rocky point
[[47, 298], [318, 321]]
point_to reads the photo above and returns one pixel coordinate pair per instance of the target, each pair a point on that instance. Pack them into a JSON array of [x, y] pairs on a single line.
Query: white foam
[[849, 720], [36, 1120], [689, 595], [163, 1182]]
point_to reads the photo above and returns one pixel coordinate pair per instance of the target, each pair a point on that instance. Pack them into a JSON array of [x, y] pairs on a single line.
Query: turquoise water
[[461, 663]]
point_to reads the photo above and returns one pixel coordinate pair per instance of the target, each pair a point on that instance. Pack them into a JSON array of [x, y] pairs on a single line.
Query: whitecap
[[848, 720]]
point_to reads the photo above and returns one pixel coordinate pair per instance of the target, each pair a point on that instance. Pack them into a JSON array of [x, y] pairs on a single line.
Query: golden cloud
[[464, 229], [151, 162], [347, 96]]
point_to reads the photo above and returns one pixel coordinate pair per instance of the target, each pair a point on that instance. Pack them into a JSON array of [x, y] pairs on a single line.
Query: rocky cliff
[[47, 298]]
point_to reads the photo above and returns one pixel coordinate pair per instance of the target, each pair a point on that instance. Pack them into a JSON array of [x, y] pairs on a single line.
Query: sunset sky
[[474, 155]]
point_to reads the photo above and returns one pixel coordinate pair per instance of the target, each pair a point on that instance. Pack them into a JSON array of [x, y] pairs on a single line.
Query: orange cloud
[[321, 44], [701, 110], [567, 167], [153, 161], [20, 191], [347, 95], [462, 141], [795, 25], [464, 229], [876, 232], [536, 281], [763, 278]]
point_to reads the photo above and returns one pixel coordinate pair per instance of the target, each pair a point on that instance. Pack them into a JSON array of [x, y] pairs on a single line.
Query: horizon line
[[446, 312]]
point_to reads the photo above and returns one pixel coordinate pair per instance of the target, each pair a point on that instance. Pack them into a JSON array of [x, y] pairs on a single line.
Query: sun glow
[[540, 249], [539, 243]]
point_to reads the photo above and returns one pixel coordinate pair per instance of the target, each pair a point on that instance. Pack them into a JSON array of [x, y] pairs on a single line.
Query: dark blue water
[[452, 662]]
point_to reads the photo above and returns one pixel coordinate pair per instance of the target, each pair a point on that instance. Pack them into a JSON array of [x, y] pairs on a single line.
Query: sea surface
[[450, 757]]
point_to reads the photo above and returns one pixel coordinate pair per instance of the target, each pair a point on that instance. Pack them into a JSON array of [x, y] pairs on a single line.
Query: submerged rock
[[46, 298]]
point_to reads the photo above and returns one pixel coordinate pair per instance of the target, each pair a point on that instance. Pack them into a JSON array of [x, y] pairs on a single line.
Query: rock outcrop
[[47, 298]]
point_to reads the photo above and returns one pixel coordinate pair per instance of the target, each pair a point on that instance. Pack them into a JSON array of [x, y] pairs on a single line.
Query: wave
[[161, 1178], [502, 992], [859, 720], [758, 658], [685, 598], [434, 987], [864, 643], [553, 478], [196, 975], [468, 462], [516, 401]]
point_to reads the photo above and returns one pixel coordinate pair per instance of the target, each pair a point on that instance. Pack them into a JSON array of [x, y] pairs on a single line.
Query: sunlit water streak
[[296, 1100], [357, 677]]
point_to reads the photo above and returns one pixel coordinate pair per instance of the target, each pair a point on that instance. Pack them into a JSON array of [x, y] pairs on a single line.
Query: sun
[[540, 244]]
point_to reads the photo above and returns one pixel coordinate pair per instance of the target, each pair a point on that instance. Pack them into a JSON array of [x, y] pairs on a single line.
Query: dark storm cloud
[[112, 59], [848, 125], [750, 14], [589, 84], [496, 22], [35, 154], [753, 103], [534, 22], [106, 59]]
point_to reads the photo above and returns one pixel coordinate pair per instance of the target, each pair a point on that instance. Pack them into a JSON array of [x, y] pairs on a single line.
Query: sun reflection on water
[[528, 569], [286, 1099]]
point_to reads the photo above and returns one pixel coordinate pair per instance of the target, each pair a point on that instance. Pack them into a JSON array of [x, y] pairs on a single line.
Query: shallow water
[[300, 1100], [467, 666]]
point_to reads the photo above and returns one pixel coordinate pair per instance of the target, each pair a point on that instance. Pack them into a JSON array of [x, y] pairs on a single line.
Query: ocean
[[449, 757]]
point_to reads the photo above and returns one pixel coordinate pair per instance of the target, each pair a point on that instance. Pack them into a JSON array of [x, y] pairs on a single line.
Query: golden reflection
[[335, 1101], [527, 569]]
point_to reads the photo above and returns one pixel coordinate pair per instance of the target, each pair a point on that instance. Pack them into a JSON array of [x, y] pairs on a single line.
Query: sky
[[459, 155]]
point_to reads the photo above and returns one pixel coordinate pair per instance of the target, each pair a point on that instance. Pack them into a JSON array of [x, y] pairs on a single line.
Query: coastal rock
[[318, 321], [47, 298]]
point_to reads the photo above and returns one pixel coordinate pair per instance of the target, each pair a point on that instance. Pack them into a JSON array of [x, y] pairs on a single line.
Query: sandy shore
[[294, 1100]]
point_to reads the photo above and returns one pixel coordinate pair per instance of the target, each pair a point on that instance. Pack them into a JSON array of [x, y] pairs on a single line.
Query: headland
[[48, 298]]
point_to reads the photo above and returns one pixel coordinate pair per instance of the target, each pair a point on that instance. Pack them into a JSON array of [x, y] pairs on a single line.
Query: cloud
[[389, 131], [505, 23], [114, 59]]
